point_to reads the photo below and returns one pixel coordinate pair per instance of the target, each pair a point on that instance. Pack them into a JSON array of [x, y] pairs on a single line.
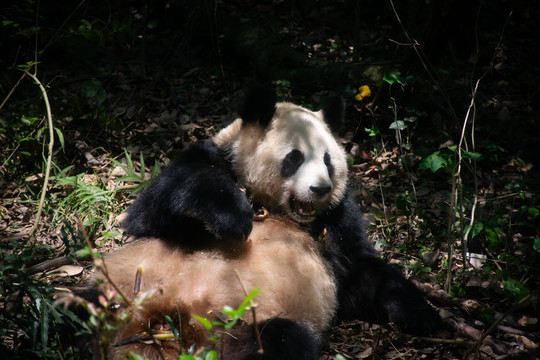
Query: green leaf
[[372, 132], [101, 96], [143, 170], [111, 233], [130, 163], [399, 125], [132, 356], [156, 170], [129, 178], [536, 245], [92, 88], [476, 229], [28, 120], [491, 236], [247, 300], [516, 288], [471, 155], [173, 328], [229, 311], [392, 77], [204, 322], [403, 202], [60, 137], [28, 64], [84, 252], [186, 357], [236, 314], [410, 118], [433, 162], [533, 212], [211, 355]]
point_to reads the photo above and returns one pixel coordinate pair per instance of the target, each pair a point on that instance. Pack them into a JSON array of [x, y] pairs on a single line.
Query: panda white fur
[[195, 230], [294, 165], [279, 259]]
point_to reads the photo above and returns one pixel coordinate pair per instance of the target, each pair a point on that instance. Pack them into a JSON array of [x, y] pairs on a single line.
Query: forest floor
[[98, 188], [117, 129]]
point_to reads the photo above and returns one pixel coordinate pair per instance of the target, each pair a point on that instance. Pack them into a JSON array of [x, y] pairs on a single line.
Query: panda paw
[[414, 316], [233, 225]]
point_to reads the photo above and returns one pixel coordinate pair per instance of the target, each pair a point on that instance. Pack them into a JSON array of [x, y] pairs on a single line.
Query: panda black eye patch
[[328, 163], [292, 161]]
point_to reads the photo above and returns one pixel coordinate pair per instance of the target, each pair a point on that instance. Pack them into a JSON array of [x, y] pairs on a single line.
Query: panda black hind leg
[[280, 338], [369, 288]]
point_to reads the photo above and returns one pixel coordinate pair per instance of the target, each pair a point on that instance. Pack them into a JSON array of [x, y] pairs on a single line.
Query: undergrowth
[[442, 156]]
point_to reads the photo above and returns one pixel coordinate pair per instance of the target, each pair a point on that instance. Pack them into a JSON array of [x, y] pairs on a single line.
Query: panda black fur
[[287, 159]]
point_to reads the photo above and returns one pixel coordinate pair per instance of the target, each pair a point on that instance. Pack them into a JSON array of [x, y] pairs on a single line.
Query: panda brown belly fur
[[278, 258]]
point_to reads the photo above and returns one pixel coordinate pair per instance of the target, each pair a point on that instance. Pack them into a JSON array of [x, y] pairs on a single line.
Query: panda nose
[[321, 190]]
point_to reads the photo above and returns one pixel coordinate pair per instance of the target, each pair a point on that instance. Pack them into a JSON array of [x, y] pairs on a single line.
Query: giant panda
[[200, 249]]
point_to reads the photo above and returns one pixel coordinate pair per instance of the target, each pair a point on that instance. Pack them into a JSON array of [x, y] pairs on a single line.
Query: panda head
[[286, 156]]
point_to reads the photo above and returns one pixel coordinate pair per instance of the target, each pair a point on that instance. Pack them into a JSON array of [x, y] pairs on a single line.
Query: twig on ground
[[459, 326], [471, 307], [486, 334], [48, 264]]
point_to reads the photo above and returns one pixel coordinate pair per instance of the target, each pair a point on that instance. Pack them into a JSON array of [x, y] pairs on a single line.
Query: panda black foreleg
[[195, 199], [281, 339], [368, 288], [374, 291]]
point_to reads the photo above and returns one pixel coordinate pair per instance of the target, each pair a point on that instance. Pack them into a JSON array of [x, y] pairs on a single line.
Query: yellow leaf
[[364, 92]]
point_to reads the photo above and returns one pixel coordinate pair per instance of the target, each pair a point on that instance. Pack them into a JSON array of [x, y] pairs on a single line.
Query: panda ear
[[258, 105], [334, 112]]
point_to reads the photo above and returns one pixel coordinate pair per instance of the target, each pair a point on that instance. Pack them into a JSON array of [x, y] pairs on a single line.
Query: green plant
[[515, 290], [536, 244], [31, 326], [92, 197], [139, 180], [85, 195], [372, 131], [234, 316], [206, 354], [93, 90]]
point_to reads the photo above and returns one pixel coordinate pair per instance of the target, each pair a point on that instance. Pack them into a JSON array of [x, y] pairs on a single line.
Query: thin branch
[[51, 148], [100, 264], [257, 332], [416, 46], [458, 171], [55, 35], [449, 242], [12, 91]]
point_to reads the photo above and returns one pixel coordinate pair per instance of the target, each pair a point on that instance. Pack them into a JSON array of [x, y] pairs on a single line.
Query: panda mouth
[[302, 210]]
